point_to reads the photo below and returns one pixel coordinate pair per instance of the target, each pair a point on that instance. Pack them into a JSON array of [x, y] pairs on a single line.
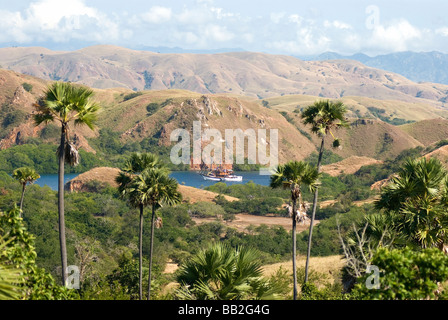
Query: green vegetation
[[265, 104], [381, 114], [144, 181], [24, 279], [406, 275], [416, 202], [123, 237], [132, 95], [27, 86], [10, 117], [221, 272], [42, 157], [112, 271], [110, 147], [25, 176], [328, 157]]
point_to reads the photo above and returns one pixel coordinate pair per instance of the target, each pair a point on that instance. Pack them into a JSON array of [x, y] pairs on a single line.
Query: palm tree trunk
[[140, 253], [294, 248], [150, 250], [21, 199], [62, 240], [308, 253]]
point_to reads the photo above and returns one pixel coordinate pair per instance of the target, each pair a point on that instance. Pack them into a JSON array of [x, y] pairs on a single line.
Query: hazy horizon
[[284, 27]]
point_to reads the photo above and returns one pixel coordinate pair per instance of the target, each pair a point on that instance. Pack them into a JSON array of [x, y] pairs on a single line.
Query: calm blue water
[[51, 180], [194, 179], [188, 178]]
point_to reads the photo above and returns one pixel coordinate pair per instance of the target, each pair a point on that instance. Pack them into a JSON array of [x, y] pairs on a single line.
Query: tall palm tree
[[155, 188], [417, 200], [66, 103], [25, 176], [323, 116], [293, 175], [133, 167], [144, 181]]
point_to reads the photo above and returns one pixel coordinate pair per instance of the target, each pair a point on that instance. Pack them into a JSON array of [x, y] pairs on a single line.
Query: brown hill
[[364, 107], [348, 166], [180, 108], [16, 109], [365, 138], [441, 154], [103, 175], [130, 116], [243, 73], [106, 175], [427, 131], [374, 139]]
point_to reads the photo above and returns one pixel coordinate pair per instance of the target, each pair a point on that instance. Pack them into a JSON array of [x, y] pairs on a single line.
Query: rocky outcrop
[[83, 182], [17, 135]]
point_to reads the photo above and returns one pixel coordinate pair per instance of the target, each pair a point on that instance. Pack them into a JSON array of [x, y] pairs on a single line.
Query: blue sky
[[276, 26]]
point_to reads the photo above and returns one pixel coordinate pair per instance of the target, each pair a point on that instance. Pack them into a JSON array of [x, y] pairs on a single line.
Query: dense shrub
[[404, 274]]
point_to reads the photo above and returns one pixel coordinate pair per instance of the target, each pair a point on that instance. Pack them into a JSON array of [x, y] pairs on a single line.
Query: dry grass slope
[[427, 131], [349, 165]]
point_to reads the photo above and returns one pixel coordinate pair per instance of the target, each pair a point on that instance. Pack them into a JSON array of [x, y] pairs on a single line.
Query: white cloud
[[442, 31], [277, 17], [395, 37], [59, 21], [308, 40], [218, 33], [157, 14], [202, 24], [199, 15], [221, 14], [295, 18], [337, 24], [47, 14]]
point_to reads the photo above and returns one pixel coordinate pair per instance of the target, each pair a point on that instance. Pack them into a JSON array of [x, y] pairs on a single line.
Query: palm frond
[[66, 102], [25, 175], [325, 115], [10, 279]]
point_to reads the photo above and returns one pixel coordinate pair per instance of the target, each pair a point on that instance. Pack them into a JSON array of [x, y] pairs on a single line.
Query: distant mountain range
[[416, 66], [252, 74]]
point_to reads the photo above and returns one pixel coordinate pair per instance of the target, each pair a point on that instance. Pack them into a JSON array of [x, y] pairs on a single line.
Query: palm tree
[[294, 175], [132, 168], [323, 116], [66, 103], [156, 189], [220, 272], [144, 181], [417, 201], [25, 175]]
